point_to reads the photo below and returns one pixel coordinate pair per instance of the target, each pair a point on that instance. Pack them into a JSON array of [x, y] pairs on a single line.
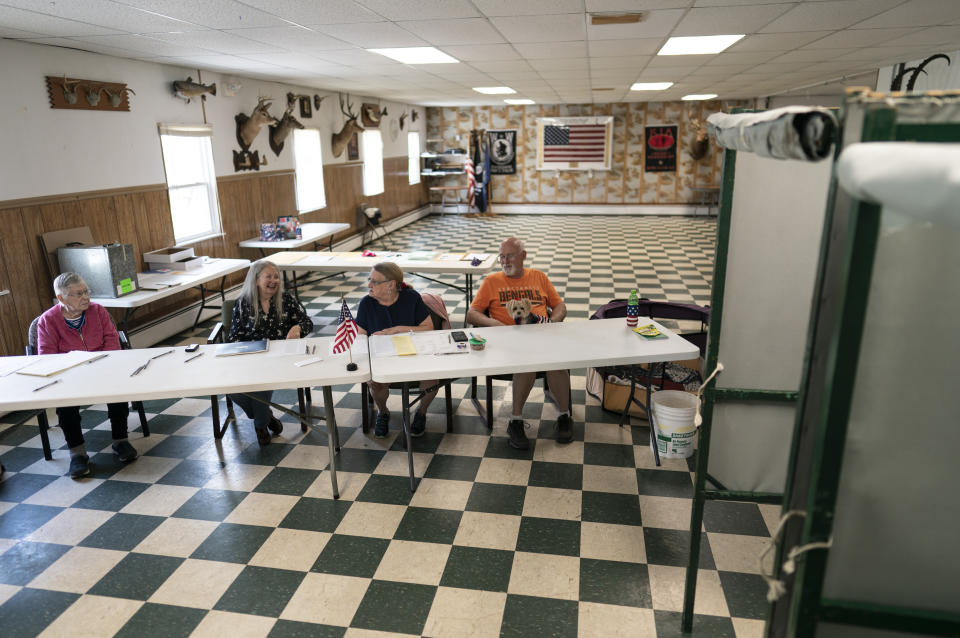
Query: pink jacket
[[98, 332]]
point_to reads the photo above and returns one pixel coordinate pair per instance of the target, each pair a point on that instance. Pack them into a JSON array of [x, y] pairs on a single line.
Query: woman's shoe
[[263, 436], [275, 426]]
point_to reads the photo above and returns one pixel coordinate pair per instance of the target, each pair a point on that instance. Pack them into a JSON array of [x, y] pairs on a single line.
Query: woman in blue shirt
[[392, 307]]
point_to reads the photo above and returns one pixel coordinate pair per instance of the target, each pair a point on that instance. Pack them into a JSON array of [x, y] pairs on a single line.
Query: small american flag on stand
[[471, 180], [346, 329]]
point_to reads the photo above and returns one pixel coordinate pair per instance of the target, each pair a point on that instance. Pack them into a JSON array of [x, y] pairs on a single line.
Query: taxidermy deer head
[[117, 98], [403, 119], [93, 96], [349, 128], [70, 90], [248, 126], [914, 72], [700, 142], [279, 131]]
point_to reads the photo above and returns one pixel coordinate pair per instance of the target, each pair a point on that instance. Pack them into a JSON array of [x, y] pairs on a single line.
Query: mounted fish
[[188, 89], [248, 127], [370, 114], [279, 131], [350, 127]]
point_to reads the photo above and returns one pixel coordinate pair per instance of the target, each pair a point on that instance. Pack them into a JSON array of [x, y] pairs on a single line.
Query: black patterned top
[[242, 326]]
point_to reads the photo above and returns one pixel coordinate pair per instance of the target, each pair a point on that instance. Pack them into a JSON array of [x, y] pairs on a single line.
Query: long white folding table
[[180, 281], [420, 264], [312, 233], [109, 380], [527, 348]]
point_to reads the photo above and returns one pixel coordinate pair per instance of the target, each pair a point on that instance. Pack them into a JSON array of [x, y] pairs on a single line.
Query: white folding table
[[312, 233], [109, 380], [181, 282], [528, 348]]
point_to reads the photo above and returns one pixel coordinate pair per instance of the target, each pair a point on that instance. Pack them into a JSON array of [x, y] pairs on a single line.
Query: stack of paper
[[50, 365]]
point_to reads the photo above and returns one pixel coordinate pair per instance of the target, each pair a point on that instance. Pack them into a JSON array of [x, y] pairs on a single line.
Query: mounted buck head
[[349, 128], [248, 126], [403, 119], [279, 132], [700, 142]]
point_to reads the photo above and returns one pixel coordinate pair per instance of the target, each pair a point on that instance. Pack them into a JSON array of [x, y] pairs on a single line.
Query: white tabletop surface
[[354, 262], [190, 278], [531, 348], [311, 233], [108, 380]]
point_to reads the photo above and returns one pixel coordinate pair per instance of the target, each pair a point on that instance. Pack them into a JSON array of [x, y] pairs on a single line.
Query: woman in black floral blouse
[[264, 311]]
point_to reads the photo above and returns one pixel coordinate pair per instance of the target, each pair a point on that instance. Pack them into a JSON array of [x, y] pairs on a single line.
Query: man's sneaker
[[275, 426], [518, 440], [382, 425], [79, 466], [419, 424], [564, 428], [124, 451]]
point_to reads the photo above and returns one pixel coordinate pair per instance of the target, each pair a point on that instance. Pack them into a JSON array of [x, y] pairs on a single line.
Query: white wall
[[47, 151]]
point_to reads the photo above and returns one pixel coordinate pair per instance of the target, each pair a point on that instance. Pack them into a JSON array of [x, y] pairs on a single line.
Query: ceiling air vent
[[633, 17], [605, 89]]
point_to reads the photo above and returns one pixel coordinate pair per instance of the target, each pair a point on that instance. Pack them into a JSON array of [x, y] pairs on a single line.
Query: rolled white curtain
[[792, 132]]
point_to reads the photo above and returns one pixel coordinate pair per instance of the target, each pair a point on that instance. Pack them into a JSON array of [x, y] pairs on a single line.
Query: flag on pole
[[471, 180], [346, 329]]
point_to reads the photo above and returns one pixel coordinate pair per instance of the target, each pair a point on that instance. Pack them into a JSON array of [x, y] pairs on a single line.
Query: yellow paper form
[[403, 344]]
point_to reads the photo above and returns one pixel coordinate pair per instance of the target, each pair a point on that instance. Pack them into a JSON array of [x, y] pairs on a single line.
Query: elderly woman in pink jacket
[[75, 323]]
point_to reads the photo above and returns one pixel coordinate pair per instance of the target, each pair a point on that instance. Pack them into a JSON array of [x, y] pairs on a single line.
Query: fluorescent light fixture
[[698, 45], [651, 86], [493, 90], [416, 55], [699, 96], [522, 100]]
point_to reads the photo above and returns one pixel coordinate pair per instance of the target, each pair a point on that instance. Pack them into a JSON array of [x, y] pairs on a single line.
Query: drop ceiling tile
[[219, 41], [145, 45], [916, 13], [527, 7], [215, 14], [17, 34], [632, 5], [859, 38], [474, 52], [105, 14], [516, 76], [542, 50], [372, 35], [642, 46], [728, 68], [92, 47], [726, 3], [307, 12], [714, 20], [619, 62], [664, 61], [46, 25], [502, 66], [358, 57], [934, 37], [291, 38], [397, 10], [810, 55], [298, 61], [231, 62], [550, 28], [834, 14], [453, 32], [656, 24], [776, 41], [614, 75]]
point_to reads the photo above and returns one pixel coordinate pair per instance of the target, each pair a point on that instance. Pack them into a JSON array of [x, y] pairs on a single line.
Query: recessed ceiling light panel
[[417, 55], [698, 45], [699, 96], [519, 101], [493, 90], [651, 86]]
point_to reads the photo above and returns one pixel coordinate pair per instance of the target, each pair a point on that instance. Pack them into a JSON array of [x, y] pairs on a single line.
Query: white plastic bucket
[[673, 413]]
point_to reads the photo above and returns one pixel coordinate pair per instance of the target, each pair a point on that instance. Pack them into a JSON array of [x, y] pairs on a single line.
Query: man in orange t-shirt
[[489, 309]]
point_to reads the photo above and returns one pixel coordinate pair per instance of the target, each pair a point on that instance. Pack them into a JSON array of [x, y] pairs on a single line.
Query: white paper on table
[[358, 347], [314, 260], [434, 343], [9, 367], [50, 365], [472, 256], [383, 348], [286, 347]]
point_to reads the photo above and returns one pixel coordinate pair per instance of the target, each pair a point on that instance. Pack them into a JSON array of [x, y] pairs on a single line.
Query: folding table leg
[[406, 432], [331, 438]]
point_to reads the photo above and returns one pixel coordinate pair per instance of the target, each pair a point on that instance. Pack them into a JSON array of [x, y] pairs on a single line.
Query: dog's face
[[519, 308]]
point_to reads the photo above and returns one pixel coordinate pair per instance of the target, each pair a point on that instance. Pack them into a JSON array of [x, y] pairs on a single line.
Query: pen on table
[[97, 358], [157, 356], [199, 354], [140, 369], [48, 385]]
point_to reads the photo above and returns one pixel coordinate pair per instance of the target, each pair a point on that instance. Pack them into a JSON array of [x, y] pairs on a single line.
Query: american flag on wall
[[346, 329], [574, 143], [471, 180]]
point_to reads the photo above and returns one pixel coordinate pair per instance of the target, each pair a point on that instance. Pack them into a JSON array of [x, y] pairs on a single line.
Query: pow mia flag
[[503, 152]]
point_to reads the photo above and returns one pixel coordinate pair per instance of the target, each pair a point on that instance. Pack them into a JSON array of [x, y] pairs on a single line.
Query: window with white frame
[[372, 162], [308, 162], [413, 157], [191, 181]]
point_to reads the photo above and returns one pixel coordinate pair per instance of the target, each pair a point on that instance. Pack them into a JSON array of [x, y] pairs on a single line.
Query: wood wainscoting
[[141, 216]]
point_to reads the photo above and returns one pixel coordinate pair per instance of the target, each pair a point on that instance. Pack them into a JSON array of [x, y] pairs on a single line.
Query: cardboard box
[[613, 396], [109, 270]]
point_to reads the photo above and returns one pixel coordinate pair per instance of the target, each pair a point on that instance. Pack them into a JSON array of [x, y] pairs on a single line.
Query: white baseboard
[[583, 209], [174, 323]]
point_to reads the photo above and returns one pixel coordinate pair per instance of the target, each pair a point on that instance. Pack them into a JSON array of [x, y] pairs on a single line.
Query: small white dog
[[520, 311]]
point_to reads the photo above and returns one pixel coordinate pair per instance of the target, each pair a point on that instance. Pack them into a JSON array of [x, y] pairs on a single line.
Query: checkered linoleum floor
[[585, 539]]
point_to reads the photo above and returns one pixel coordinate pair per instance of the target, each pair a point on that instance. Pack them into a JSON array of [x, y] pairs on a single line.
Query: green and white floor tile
[[210, 539]]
